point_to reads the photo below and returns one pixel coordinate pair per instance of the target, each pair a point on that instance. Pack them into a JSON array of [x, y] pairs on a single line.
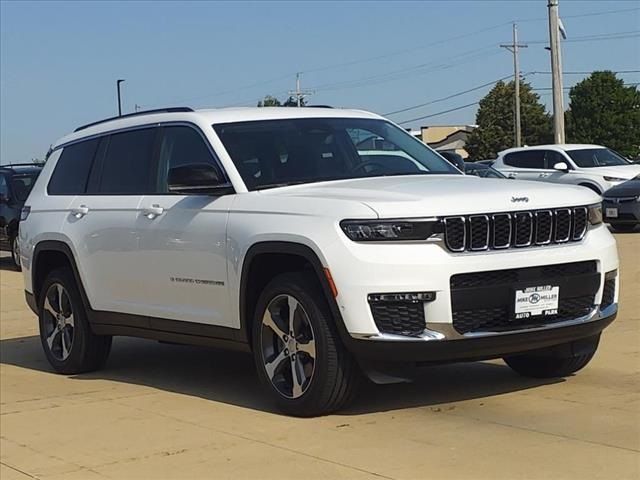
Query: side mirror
[[197, 179], [561, 166]]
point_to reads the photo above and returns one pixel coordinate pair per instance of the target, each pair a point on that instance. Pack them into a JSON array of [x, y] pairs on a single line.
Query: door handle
[[153, 211], [80, 211]]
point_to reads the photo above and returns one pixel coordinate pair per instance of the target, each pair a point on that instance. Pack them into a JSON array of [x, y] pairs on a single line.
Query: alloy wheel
[[16, 251], [58, 321], [288, 346]]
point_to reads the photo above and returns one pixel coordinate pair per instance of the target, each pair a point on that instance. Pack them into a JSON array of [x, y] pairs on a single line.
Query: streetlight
[[118, 82]]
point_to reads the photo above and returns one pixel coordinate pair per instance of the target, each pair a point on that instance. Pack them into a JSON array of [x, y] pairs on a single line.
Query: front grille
[[483, 301], [400, 318], [515, 275], [517, 229], [499, 319]]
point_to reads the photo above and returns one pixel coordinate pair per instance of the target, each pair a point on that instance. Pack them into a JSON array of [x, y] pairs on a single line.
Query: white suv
[[592, 166], [326, 242]]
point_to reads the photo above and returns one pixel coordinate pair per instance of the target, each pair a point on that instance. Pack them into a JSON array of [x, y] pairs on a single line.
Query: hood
[[622, 171], [437, 195], [626, 189]]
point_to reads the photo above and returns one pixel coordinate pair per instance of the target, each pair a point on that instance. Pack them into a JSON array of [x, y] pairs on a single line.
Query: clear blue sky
[[59, 60]]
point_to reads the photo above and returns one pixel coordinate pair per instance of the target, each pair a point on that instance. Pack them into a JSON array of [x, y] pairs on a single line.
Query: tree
[[602, 110], [495, 120], [271, 101]]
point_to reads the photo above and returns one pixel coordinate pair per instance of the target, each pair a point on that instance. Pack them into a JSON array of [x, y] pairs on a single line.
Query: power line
[[588, 38], [439, 113], [584, 72], [448, 97], [591, 14]]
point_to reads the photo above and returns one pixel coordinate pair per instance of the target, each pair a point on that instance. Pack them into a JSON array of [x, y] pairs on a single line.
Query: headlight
[[614, 179], [595, 214], [390, 230]]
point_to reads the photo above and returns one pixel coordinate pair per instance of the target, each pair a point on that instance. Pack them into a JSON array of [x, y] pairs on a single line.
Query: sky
[[59, 61]]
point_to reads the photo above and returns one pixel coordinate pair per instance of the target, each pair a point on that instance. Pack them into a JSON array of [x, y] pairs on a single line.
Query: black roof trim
[[145, 112], [319, 106]]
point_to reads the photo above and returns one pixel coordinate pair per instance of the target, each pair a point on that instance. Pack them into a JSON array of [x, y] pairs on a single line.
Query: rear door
[[102, 221], [525, 165], [183, 236]]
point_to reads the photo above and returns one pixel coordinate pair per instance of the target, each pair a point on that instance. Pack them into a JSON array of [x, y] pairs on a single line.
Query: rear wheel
[[68, 342], [298, 354], [557, 361], [15, 253]]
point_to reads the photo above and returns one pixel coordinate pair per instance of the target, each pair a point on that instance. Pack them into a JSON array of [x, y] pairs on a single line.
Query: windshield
[[596, 157], [274, 153]]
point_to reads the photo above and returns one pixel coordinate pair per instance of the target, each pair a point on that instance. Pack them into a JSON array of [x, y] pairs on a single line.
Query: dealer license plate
[[611, 212], [537, 301]]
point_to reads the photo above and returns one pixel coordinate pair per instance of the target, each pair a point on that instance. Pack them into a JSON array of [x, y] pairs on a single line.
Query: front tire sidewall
[[308, 404], [73, 363]]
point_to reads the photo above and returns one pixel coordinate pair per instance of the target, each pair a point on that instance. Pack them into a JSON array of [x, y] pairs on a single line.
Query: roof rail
[[145, 112], [27, 164], [318, 106]]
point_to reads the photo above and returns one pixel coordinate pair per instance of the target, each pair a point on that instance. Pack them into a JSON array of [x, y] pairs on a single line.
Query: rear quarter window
[[72, 170]]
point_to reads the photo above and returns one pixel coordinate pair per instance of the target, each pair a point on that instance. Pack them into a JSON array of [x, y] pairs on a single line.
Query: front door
[[183, 240]]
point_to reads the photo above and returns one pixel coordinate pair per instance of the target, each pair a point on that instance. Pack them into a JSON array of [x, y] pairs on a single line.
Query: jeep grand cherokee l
[[282, 232]]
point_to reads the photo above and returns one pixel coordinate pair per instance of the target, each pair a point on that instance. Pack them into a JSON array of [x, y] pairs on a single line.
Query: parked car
[[592, 166], [16, 182], [621, 205], [453, 158], [267, 230], [482, 170]]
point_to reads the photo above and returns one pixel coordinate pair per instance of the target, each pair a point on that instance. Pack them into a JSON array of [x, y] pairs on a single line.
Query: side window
[[127, 167], [72, 170], [526, 159], [551, 158], [4, 188], [185, 161]]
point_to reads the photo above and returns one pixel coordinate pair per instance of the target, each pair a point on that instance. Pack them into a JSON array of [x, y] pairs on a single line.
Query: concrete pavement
[[165, 411]]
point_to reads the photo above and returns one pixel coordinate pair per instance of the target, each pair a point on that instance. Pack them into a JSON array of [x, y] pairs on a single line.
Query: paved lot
[[162, 411]]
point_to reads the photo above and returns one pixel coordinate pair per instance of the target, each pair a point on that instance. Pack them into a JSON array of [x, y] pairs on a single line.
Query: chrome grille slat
[[502, 230], [479, 232]]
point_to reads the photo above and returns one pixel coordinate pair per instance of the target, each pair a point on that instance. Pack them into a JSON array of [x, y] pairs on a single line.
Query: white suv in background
[[592, 166], [284, 232]]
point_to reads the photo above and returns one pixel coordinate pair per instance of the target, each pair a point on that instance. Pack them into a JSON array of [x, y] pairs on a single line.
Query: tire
[[624, 227], [558, 361], [326, 380], [74, 348], [15, 253]]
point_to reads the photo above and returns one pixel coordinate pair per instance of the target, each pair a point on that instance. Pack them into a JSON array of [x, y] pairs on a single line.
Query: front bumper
[[627, 211], [391, 349]]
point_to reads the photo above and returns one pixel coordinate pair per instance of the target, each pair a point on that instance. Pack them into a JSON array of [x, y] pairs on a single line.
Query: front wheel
[[297, 351], [15, 253], [557, 361]]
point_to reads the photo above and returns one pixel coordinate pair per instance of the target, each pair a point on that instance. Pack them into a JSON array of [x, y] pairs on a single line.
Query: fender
[[57, 246], [592, 186], [289, 248]]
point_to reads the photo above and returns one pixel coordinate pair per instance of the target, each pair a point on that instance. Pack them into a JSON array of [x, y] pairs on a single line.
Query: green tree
[[602, 110], [269, 101], [495, 120]]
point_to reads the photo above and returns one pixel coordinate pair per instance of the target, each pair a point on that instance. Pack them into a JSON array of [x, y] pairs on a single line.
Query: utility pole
[[514, 49], [556, 72], [118, 82], [298, 93]]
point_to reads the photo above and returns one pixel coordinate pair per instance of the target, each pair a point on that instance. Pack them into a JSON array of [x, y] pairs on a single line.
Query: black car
[[621, 205], [482, 170], [16, 182]]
